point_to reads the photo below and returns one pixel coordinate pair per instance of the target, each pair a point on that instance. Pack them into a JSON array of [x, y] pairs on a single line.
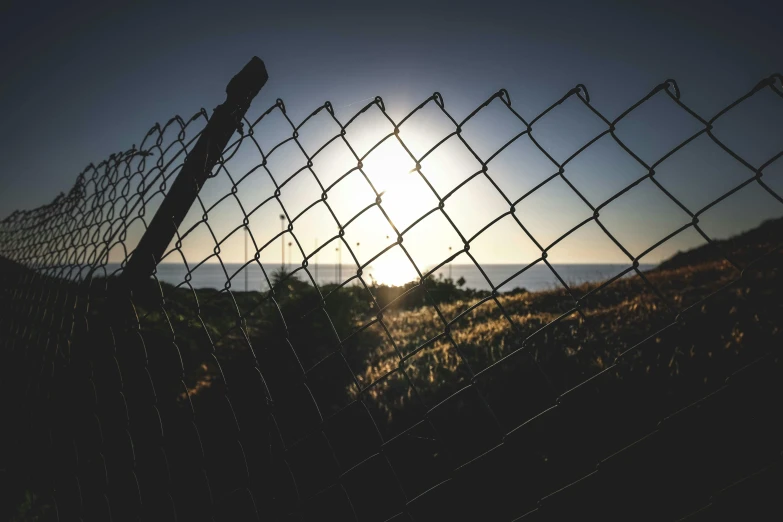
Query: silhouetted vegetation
[[392, 354], [570, 335]]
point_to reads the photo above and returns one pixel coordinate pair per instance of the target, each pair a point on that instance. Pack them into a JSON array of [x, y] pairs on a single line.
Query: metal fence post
[[225, 119]]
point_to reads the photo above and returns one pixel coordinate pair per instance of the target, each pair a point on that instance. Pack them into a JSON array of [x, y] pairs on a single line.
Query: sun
[[405, 195], [392, 270]]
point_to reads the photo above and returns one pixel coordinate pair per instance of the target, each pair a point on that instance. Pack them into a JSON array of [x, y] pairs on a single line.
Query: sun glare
[[392, 271], [406, 196]]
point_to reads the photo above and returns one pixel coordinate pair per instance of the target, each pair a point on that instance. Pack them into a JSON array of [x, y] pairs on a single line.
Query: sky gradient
[[87, 80]]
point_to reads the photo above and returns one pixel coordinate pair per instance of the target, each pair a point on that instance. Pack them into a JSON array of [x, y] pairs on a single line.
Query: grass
[[657, 340], [571, 335]]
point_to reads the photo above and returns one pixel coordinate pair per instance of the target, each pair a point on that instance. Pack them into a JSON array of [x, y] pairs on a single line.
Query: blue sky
[[85, 80]]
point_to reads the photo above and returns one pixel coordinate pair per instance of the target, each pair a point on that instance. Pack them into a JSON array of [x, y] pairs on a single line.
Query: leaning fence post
[[196, 169]]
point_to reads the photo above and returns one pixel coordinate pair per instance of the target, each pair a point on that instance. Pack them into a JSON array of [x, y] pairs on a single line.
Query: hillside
[[742, 248]]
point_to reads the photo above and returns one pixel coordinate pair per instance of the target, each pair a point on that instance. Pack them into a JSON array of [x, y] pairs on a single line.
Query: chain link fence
[[132, 391]]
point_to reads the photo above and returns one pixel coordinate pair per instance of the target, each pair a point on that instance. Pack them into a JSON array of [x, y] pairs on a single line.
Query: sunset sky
[[90, 80]]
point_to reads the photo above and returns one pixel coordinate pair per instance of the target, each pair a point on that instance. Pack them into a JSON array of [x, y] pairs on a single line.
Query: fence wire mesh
[[651, 395]]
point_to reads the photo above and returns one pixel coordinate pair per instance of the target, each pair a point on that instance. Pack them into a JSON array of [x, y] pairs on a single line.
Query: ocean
[[535, 278]]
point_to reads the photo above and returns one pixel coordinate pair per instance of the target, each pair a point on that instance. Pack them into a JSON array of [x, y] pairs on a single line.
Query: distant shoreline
[[503, 276]]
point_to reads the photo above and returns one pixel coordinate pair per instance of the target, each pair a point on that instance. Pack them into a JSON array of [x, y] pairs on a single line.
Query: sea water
[[535, 278]]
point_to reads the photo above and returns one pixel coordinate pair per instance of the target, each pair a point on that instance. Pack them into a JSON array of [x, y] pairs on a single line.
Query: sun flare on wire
[[405, 197]]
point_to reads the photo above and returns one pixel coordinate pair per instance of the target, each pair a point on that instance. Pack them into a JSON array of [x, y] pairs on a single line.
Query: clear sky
[[88, 79]]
